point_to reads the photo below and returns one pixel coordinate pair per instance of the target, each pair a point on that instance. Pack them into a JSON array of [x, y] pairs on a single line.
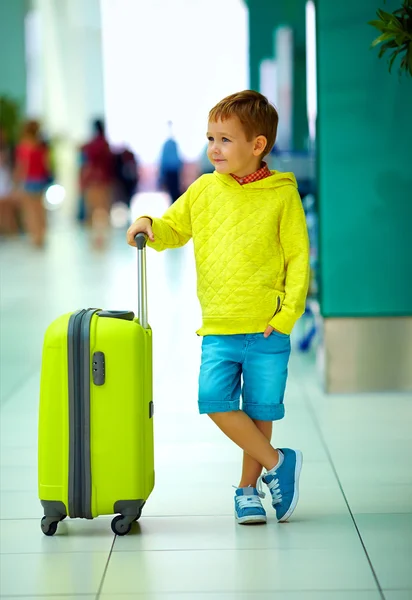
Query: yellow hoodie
[[251, 250]]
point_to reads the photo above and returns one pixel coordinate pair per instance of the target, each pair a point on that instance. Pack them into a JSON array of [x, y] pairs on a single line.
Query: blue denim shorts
[[262, 364], [35, 186]]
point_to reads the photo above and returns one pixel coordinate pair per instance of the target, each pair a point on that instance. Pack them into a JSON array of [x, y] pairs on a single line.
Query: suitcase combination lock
[[99, 368]]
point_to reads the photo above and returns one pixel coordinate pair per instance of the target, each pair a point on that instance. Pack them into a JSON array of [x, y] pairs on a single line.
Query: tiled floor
[[350, 537]]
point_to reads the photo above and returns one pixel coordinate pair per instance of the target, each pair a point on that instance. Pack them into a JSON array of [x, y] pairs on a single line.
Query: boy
[[252, 260]]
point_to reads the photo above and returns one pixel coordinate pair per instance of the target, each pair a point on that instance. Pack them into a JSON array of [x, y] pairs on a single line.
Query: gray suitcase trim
[[54, 508], [73, 384], [129, 508], [85, 401], [79, 413]]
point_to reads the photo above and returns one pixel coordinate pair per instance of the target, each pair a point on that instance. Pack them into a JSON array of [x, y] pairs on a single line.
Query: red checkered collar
[[261, 173]]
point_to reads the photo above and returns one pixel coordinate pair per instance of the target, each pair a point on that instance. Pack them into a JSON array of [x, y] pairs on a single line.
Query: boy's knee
[[221, 415]]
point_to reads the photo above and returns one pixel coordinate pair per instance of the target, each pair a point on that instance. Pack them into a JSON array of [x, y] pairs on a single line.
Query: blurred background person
[[126, 169], [171, 166], [97, 173], [205, 166], [32, 176]]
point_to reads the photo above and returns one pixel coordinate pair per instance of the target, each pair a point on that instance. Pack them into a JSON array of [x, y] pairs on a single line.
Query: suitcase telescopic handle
[[141, 240]]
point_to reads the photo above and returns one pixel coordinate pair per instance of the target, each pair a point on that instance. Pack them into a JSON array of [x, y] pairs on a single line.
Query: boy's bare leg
[[251, 468], [243, 431]]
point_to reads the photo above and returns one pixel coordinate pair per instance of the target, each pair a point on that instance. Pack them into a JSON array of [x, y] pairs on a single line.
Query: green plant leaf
[[382, 38], [388, 47], [378, 24], [392, 26], [396, 35], [406, 63], [391, 44], [384, 15], [395, 21], [400, 39]]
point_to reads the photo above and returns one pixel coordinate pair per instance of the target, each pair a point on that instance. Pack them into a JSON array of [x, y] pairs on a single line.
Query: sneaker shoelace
[[248, 502], [274, 488]]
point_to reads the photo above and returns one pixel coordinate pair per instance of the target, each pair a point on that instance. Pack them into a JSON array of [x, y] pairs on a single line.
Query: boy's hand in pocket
[[269, 329]]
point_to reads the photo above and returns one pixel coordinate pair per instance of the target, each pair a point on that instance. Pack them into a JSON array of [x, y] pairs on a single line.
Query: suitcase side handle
[[141, 240]]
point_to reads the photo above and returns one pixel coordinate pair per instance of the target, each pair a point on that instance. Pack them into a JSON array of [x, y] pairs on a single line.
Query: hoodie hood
[[276, 180]]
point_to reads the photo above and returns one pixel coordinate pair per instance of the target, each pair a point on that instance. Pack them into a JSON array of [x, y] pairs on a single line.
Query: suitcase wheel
[[121, 525], [49, 527]]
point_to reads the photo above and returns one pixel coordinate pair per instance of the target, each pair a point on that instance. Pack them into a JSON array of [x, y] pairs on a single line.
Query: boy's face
[[230, 151]]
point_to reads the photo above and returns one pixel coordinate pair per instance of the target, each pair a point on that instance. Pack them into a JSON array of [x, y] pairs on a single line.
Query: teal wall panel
[[12, 50], [364, 168]]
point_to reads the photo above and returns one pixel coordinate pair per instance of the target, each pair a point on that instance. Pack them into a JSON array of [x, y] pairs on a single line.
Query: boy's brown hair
[[256, 114]]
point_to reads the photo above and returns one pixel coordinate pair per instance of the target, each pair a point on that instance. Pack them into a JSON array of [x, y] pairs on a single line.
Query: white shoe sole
[[298, 468], [250, 519]]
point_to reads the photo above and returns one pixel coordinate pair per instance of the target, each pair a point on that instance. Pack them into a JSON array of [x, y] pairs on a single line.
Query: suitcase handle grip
[[141, 240]]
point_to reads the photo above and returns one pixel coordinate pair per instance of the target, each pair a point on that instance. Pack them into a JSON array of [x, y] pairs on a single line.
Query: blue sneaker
[[284, 483], [248, 506]]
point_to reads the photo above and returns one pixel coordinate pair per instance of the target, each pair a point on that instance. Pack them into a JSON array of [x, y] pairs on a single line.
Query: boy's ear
[[259, 145]]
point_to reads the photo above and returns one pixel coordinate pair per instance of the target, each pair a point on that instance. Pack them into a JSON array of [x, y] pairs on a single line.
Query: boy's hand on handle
[[143, 225]]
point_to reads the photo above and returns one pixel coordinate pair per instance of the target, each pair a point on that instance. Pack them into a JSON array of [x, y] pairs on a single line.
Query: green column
[[265, 16], [12, 50], [365, 200], [364, 168]]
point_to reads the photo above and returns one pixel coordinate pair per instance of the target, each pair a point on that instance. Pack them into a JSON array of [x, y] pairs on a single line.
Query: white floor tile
[[398, 594], [77, 535], [75, 573], [207, 490], [56, 597], [388, 541], [223, 533], [227, 571], [319, 493], [379, 498], [367, 474], [301, 595]]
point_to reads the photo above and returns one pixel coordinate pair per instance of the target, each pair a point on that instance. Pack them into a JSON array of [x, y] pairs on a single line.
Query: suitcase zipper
[[74, 414], [86, 474], [79, 408]]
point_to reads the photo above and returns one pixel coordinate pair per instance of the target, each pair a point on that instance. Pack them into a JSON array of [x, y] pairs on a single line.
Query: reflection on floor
[[351, 535]]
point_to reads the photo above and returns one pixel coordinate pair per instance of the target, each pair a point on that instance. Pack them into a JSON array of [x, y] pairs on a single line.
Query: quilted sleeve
[[174, 229], [295, 243]]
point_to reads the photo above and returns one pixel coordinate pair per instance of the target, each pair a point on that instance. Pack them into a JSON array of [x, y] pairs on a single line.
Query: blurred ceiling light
[[311, 75], [119, 215], [54, 196]]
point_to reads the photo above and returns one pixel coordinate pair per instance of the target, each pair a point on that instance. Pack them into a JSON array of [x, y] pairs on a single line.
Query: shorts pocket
[[280, 334]]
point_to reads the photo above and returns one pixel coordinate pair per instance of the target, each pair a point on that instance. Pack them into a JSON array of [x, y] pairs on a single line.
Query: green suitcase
[[96, 454]]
